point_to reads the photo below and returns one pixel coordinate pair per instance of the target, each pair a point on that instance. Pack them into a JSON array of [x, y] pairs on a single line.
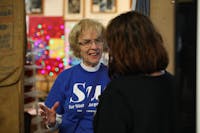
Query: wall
[[56, 8], [162, 14], [53, 7], [122, 6]]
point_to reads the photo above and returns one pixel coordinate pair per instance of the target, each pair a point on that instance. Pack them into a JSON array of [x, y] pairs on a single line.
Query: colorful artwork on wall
[[56, 48], [47, 39]]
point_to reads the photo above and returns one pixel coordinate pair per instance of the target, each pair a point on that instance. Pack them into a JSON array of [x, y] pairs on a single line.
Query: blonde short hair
[[79, 28]]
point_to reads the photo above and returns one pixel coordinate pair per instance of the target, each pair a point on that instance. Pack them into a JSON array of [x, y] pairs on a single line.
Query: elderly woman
[[72, 101]]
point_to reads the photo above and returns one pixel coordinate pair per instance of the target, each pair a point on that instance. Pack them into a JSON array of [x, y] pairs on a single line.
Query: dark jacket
[[137, 104]]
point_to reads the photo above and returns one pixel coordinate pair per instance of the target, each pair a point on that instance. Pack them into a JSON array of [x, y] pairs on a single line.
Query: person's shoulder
[[169, 75], [124, 83], [103, 66], [117, 83], [117, 86], [125, 79], [69, 70]]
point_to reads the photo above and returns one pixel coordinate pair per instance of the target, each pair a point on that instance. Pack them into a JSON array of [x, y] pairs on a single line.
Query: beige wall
[[56, 8], [122, 6], [162, 14]]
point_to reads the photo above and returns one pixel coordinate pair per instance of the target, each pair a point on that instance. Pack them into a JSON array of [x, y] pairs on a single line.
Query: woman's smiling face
[[91, 47]]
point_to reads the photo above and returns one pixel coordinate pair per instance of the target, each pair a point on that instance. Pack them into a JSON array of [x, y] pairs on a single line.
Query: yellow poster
[[56, 48]]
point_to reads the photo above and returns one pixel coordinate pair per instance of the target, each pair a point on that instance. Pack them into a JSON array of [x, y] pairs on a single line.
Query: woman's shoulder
[[129, 81], [69, 71], [168, 74], [103, 66]]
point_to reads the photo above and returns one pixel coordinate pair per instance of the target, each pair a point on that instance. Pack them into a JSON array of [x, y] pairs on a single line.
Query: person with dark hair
[[140, 96], [72, 101]]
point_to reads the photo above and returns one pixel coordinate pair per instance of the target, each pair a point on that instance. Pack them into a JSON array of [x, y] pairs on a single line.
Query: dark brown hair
[[135, 46]]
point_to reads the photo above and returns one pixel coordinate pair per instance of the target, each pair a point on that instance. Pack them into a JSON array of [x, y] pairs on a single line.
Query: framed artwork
[[73, 9], [103, 6], [34, 6]]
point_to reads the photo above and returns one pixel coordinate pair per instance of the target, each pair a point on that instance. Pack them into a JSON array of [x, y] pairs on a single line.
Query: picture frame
[[73, 9], [103, 6], [34, 6]]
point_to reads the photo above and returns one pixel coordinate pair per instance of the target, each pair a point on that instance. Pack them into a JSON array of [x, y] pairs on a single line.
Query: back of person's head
[[79, 28], [135, 46]]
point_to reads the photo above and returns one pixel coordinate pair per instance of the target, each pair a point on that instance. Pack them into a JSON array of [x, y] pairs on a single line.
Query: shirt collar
[[90, 69]]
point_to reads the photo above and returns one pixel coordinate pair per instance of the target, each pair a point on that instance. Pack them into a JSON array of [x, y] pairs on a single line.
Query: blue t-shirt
[[72, 88]]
